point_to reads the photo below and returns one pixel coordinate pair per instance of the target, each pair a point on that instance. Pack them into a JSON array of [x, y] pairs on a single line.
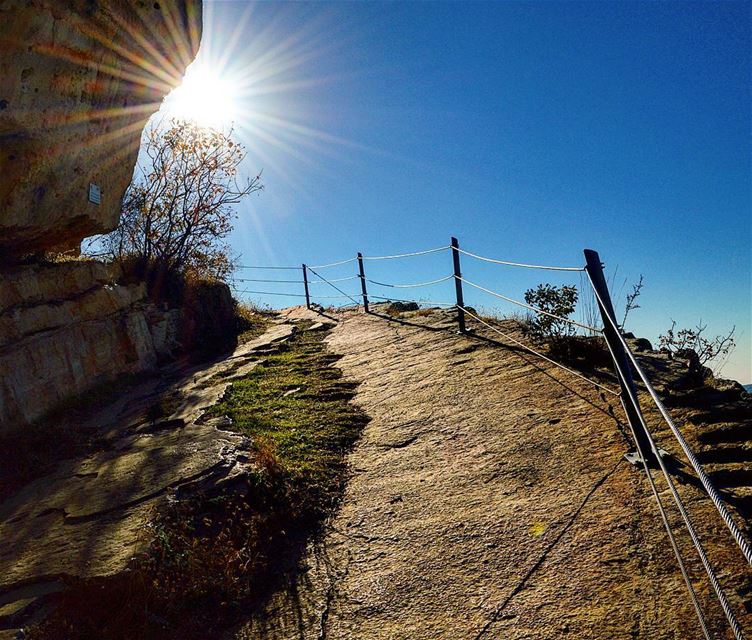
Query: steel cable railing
[[288, 295], [318, 275], [264, 280], [530, 307], [712, 492], [246, 266], [519, 264], [671, 537], [410, 286], [730, 617], [332, 280], [407, 255], [538, 353], [331, 264]]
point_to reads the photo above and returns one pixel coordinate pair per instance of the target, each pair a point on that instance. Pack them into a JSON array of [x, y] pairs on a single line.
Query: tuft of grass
[[250, 321]]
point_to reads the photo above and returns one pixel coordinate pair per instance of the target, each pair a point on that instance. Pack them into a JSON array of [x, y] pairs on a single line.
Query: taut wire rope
[[712, 492], [519, 264], [538, 353], [406, 255], [410, 286], [530, 307]]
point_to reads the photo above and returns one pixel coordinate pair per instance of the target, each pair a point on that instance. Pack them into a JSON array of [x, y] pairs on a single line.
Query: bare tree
[[178, 210], [683, 341], [631, 304]]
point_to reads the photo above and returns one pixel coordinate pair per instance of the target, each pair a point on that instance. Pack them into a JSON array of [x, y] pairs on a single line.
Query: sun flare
[[206, 98]]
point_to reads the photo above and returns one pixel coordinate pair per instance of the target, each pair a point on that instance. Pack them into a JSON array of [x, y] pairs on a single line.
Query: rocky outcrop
[[86, 518], [67, 327], [78, 81]]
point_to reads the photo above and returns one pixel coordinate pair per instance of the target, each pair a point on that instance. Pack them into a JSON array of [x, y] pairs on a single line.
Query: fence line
[[530, 307], [246, 266], [647, 451], [704, 479], [410, 286], [519, 264]]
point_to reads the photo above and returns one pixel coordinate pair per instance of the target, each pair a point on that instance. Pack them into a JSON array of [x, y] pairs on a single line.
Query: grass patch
[[214, 560], [296, 408]]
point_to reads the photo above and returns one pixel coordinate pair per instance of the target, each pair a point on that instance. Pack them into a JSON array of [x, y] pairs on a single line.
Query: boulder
[[78, 81]]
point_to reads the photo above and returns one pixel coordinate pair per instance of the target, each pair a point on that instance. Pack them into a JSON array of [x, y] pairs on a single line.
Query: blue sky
[[529, 130]]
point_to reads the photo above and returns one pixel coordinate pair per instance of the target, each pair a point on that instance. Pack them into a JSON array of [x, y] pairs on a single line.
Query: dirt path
[[487, 500]]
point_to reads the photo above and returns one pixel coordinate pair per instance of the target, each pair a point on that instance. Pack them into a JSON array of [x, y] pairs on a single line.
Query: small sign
[[95, 193]]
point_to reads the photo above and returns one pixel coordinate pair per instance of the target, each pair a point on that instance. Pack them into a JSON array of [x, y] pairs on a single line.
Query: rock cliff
[[78, 82]]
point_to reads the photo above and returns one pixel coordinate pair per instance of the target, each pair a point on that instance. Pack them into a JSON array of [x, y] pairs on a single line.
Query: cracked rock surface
[[489, 498], [86, 519]]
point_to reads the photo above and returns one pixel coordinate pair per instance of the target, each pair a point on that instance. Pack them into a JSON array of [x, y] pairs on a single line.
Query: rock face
[[78, 81], [64, 328]]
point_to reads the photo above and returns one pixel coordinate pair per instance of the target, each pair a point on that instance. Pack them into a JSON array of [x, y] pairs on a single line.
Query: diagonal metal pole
[[629, 399]]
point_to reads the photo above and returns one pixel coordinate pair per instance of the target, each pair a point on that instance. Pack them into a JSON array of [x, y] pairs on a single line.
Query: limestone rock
[[65, 328], [78, 81]]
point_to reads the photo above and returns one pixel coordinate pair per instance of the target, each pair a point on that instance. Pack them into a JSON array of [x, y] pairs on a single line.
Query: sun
[[205, 97]]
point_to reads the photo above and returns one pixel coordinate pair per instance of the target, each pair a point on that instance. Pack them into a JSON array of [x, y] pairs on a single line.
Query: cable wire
[[289, 295], [246, 266], [671, 537], [530, 307], [519, 264], [538, 353], [712, 492], [406, 255], [262, 280], [347, 295], [332, 280], [409, 286], [730, 617], [270, 293], [331, 264]]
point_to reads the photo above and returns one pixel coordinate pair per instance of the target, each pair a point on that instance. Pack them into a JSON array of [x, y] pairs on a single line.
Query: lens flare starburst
[[206, 96]]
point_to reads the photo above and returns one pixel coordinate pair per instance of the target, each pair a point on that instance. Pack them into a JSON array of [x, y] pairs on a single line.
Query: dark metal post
[[621, 362], [458, 284], [305, 284], [363, 281]]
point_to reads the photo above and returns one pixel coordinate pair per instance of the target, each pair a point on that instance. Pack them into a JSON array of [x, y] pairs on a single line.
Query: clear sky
[[528, 130]]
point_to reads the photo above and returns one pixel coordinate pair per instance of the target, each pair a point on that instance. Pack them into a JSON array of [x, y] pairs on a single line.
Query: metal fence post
[[621, 362], [458, 284], [305, 284], [363, 281]]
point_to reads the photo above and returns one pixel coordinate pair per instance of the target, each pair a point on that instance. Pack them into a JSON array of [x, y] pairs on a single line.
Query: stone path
[[86, 518], [488, 499]]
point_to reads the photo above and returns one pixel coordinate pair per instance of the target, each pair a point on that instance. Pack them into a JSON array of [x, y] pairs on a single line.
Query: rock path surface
[[87, 517], [489, 498]]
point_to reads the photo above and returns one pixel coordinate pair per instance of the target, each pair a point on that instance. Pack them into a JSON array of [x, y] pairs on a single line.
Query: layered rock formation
[[78, 81], [67, 327]]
